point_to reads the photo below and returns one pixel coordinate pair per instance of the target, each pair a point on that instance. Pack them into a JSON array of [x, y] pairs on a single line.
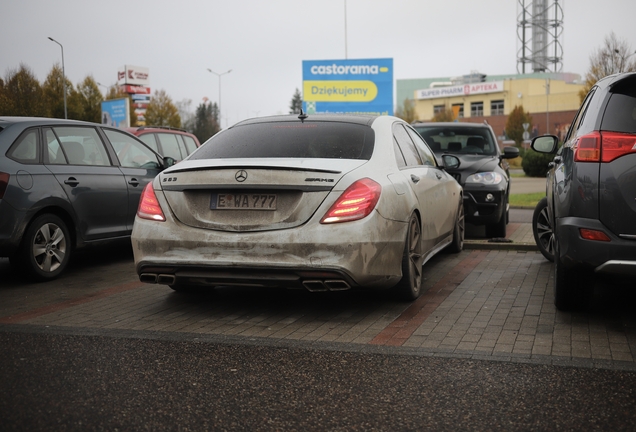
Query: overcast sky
[[265, 42]]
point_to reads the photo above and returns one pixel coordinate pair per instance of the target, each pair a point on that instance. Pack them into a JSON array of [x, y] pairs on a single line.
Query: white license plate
[[247, 201]]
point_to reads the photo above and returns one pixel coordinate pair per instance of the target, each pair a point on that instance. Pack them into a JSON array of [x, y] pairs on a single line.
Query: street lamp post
[[219, 75], [63, 75]]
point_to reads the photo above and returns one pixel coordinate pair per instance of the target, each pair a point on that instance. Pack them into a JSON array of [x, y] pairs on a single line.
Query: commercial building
[[551, 98]]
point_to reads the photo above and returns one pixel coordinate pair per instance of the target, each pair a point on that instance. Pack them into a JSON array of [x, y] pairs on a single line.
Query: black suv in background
[[591, 190], [482, 172]]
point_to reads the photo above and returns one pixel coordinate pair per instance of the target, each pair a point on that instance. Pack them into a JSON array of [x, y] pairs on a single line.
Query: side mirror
[[450, 161], [168, 162], [510, 153], [545, 144]]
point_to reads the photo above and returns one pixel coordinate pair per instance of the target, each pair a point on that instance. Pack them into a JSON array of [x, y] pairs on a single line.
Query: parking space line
[[397, 332], [44, 310]]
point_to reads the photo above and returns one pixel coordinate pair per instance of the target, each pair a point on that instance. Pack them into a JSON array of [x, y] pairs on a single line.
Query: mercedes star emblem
[[241, 176]]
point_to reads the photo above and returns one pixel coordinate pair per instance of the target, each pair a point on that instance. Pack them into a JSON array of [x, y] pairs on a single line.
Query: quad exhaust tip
[[326, 285], [163, 279]]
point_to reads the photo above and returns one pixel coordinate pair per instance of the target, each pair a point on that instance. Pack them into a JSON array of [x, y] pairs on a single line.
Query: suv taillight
[[616, 144], [588, 148], [4, 182], [149, 207], [604, 146]]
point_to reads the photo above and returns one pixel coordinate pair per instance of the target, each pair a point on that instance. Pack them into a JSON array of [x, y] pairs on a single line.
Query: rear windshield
[[291, 140], [460, 140], [620, 114]]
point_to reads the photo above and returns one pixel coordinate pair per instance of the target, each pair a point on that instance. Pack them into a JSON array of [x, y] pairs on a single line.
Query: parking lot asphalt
[[492, 301]]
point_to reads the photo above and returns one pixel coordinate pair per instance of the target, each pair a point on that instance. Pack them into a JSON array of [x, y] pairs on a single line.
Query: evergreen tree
[[206, 122], [21, 94], [296, 103]]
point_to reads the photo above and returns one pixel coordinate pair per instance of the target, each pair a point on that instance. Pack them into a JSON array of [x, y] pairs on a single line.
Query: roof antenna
[[302, 116]]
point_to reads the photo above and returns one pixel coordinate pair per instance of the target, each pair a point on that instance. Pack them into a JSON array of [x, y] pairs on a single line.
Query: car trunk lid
[[240, 195]]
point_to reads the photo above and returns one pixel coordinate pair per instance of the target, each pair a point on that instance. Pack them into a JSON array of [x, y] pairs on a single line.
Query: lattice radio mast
[[540, 30]]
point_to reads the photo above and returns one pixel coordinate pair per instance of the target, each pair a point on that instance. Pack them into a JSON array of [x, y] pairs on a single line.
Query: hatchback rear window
[[312, 140]]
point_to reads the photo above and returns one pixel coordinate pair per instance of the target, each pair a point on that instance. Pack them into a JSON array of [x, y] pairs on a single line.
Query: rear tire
[[410, 286], [571, 285], [45, 249], [459, 231], [498, 229], [543, 230]]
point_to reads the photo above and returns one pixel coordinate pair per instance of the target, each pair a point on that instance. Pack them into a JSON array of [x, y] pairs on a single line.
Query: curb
[[485, 244]]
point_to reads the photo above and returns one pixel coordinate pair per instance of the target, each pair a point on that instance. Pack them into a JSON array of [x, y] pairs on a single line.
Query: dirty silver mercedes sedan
[[320, 202]]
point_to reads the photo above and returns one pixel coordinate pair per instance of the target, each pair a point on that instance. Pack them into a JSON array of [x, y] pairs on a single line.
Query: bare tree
[[614, 56], [406, 111]]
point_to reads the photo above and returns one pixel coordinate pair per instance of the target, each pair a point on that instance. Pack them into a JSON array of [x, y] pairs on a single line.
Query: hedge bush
[[536, 164]]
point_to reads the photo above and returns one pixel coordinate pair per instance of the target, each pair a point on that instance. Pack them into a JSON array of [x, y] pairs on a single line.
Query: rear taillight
[[588, 148], [149, 207], [4, 181], [604, 146], [617, 144], [356, 202]]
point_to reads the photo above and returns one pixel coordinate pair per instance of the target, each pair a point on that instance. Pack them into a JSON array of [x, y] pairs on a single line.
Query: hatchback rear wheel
[[46, 248], [410, 286]]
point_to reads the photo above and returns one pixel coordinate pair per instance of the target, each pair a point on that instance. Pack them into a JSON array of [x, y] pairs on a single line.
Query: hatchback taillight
[[149, 207], [356, 202], [4, 182], [604, 146]]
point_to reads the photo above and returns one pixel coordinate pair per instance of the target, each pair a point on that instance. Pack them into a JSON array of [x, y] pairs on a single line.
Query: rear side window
[[620, 114], [26, 149], [150, 141], [76, 146], [191, 145], [171, 146], [329, 140]]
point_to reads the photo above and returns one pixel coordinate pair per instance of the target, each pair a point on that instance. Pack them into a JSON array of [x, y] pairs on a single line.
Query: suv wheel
[[498, 229], [542, 229], [571, 285], [46, 248]]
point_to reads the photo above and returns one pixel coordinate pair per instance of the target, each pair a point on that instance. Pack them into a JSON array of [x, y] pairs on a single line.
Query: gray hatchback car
[[590, 207], [66, 184]]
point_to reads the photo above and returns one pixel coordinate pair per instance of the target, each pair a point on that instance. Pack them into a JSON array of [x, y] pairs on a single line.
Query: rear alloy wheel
[[542, 229], [410, 286], [457, 244], [46, 248]]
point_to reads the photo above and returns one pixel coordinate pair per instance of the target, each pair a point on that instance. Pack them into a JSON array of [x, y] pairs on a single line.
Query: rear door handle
[[438, 175], [133, 182], [414, 178], [71, 181]]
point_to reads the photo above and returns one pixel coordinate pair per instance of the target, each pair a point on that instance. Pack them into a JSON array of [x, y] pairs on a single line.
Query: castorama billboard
[[348, 86]]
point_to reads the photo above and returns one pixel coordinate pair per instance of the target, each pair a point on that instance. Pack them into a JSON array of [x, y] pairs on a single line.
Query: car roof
[[347, 118], [154, 129], [35, 121], [451, 124]]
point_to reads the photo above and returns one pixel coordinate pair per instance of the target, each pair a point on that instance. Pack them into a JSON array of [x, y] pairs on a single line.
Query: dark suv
[[483, 172], [175, 143], [591, 191], [65, 184]]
